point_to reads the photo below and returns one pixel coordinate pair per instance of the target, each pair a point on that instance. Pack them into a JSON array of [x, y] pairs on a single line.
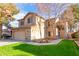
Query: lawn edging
[[53, 42]]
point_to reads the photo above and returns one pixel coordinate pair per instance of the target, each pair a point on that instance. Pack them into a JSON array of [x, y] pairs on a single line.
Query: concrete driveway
[[7, 42]]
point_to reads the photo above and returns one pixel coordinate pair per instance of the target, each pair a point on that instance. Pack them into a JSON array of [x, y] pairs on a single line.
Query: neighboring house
[[30, 27]]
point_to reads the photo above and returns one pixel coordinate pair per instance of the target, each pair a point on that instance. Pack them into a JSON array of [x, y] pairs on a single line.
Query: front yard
[[64, 48]]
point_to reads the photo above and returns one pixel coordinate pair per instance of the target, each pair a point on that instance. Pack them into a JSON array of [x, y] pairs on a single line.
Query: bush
[[41, 40]]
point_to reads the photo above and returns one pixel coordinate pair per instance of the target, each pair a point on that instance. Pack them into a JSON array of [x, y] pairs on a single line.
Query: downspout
[[66, 30], [56, 27]]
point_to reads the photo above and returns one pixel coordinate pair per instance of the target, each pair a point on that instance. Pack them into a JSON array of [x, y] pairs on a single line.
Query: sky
[[24, 9], [31, 7]]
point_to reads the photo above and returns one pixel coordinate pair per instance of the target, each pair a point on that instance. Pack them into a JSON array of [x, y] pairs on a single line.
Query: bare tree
[[49, 9]]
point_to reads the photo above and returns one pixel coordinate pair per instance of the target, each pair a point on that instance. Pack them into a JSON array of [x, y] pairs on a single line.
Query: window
[[22, 22], [48, 23], [29, 20], [49, 33]]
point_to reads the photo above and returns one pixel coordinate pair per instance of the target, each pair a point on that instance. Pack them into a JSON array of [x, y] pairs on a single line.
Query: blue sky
[[31, 7], [24, 9]]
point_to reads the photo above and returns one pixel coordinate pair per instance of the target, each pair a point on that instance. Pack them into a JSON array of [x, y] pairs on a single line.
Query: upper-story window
[[29, 20]]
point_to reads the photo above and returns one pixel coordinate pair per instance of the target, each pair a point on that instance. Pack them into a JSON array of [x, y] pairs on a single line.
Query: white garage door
[[19, 35]]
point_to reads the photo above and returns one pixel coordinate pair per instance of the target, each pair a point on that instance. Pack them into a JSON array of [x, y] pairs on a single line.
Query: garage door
[[19, 35]]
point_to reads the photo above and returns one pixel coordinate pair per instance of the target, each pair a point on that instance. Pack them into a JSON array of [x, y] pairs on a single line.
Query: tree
[[7, 10], [48, 9], [76, 12]]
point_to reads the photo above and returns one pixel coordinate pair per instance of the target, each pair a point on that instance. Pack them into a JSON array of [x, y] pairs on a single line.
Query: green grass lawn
[[64, 48]]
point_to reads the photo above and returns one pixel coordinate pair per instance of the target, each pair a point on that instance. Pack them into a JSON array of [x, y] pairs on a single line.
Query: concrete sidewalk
[[7, 42]]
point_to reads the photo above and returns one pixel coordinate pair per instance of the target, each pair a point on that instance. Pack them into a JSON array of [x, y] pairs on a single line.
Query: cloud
[[14, 23], [20, 15]]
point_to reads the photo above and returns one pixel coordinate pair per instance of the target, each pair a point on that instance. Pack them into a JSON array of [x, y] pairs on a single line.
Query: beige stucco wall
[[21, 34], [37, 31]]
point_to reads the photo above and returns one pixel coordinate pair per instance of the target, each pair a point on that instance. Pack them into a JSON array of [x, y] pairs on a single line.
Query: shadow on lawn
[[64, 48], [35, 50]]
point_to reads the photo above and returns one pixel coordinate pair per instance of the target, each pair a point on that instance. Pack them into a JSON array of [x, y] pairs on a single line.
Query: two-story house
[[30, 27], [33, 26]]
